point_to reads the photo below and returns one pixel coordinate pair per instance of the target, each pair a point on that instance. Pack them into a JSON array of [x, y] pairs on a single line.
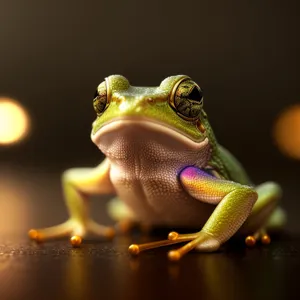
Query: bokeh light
[[287, 131], [14, 121]]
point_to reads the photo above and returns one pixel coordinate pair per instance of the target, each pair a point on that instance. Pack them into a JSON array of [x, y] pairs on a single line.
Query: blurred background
[[244, 54]]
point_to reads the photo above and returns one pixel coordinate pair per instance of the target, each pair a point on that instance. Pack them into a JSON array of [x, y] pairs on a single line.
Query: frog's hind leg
[[125, 218], [265, 215], [277, 220], [121, 214], [274, 223]]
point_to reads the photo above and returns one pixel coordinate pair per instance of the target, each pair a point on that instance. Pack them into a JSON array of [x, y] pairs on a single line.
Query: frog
[[163, 166]]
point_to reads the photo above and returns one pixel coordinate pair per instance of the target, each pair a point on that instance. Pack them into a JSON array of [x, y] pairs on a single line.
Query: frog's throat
[[119, 123]]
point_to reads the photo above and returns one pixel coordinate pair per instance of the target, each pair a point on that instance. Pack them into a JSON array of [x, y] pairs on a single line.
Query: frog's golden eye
[[101, 100], [187, 99]]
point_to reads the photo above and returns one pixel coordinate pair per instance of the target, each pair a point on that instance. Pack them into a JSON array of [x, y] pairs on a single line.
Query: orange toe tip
[[174, 255], [75, 241], [110, 233], [250, 241], [134, 249], [265, 239], [34, 235], [173, 236]]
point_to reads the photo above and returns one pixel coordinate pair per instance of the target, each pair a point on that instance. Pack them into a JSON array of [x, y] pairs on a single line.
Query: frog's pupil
[[100, 106], [195, 94]]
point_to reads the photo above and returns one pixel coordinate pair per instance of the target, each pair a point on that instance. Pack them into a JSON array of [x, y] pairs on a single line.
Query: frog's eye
[[187, 99], [101, 102]]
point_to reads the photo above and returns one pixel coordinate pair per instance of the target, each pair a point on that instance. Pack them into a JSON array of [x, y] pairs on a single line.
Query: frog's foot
[[261, 235], [73, 229], [200, 241]]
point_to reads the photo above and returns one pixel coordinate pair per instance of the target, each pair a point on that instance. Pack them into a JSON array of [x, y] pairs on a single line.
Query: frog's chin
[[116, 126]]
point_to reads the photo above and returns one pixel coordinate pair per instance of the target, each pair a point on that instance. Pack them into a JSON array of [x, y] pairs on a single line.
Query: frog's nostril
[[150, 100], [144, 102]]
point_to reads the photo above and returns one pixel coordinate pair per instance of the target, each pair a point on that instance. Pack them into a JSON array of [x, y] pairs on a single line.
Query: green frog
[[166, 168]]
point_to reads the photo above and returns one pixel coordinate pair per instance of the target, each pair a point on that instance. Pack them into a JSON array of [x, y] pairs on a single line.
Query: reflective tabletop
[[104, 270]]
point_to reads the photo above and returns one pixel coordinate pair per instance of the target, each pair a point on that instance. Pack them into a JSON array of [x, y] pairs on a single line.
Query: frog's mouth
[[122, 124]]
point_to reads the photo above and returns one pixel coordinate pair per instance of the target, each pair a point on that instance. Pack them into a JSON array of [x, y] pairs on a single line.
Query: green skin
[[219, 180]]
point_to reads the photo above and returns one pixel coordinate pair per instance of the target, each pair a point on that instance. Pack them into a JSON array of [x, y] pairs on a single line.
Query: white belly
[[157, 198]]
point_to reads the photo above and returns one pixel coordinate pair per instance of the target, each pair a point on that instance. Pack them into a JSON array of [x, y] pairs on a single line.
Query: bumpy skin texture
[[167, 168], [145, 172]]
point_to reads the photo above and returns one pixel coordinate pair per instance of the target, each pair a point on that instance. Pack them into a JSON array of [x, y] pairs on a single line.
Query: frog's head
[[175, 106]]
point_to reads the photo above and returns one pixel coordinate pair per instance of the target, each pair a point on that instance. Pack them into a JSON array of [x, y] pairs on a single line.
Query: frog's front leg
[[78, 184], [233, 205]]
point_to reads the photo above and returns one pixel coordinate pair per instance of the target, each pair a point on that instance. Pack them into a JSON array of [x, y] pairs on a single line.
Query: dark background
[[244, 54], [53, 54]]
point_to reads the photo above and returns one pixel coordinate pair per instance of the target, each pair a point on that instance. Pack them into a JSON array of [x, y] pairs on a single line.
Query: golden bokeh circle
[[14, 121], [287, 131]]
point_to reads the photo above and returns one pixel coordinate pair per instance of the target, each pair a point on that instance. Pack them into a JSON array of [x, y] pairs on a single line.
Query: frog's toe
[[261, 235], [136, 249], [250, 241], [73, 229], [265, 239], [76, 240], [101, 230], [43, 234], [200, 241], [80, 231]]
